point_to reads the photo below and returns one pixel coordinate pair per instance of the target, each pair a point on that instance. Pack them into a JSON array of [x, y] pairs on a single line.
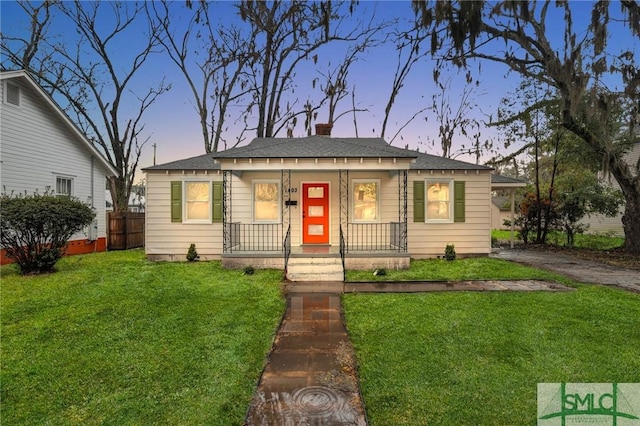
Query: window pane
[[198, 210], [438, 202], [365, 204], [197, 191], [267, 202], [315, 192], [315, 230], [197, 201], [63, 186], [316, 211]]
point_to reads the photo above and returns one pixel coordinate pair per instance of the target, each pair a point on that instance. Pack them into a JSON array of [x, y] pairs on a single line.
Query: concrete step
[[315, 269]]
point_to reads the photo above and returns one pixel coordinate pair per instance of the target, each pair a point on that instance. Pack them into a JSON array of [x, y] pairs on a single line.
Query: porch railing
[[343, 252], [376, 237], [286, 247], [254, 237]]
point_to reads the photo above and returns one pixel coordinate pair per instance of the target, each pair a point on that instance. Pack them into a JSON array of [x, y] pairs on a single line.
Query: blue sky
[[172, 123]]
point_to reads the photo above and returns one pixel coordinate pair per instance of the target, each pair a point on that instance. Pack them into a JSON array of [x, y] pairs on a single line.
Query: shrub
[[192, 253], [450, 252], [35, 229], [380, 272]]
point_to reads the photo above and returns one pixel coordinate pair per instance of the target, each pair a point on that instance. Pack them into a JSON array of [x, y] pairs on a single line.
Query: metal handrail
[[343, 252], [286, 247]]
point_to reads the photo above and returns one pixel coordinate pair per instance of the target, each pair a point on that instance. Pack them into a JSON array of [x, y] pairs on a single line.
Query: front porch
[[349, 244], [268, 246]]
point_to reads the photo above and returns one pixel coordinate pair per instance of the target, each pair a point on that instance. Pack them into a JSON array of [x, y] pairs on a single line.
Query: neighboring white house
[[311, 205], [601, 224], [41, 149]]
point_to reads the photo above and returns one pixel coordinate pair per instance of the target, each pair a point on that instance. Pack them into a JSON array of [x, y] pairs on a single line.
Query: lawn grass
[[587, 241], [476, 358], [112, 338], [475, 268]]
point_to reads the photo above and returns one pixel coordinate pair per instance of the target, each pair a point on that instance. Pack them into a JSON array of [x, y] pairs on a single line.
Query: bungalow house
[[41, 149], [317, 205]]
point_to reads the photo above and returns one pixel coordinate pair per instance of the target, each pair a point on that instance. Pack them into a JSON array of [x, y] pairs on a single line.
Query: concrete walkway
[[311, 377], [577, 269]]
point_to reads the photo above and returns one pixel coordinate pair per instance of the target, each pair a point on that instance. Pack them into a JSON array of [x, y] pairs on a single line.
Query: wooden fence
[[125, 230]]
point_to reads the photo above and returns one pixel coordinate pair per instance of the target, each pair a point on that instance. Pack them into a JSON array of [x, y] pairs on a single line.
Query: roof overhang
[[315, 163]]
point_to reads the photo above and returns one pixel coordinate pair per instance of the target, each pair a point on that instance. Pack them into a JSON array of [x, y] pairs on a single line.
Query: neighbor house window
[[439, 196], [12, 94], [64, 185], [266, 201], [366, 200], [197, 201]]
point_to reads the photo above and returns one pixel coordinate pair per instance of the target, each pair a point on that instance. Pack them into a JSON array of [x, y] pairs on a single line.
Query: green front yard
[[476, 358], [112, 338]]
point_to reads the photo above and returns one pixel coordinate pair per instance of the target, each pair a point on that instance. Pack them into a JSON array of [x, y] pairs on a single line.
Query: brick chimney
[[323, 129]]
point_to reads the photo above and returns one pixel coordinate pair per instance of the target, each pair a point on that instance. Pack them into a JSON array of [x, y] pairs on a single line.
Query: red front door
[[315, 213]]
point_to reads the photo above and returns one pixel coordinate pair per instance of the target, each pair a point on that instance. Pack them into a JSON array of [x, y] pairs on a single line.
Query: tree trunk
[[629, 184], [631, 223]]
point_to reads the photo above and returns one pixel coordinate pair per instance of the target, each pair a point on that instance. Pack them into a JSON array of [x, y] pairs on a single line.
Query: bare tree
[[455, 118], [517, 35], [211, 56], [410, 51], [91, 78], [288, 33]]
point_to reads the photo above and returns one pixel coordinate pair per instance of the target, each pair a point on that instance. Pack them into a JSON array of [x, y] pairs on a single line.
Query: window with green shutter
[[202, 201], [418, 201], [458, 201], [176, 201], [438, 201], [217, 202]]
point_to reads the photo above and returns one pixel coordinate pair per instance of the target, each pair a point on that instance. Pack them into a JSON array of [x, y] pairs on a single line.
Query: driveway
[[577, 269]]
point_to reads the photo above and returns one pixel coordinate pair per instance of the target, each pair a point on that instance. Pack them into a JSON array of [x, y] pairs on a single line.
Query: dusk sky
[[172, 122]]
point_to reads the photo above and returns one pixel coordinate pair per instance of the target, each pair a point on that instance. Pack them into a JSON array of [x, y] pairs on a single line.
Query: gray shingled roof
[[434, 162], [319, 147], [505, 179], [201, 162]]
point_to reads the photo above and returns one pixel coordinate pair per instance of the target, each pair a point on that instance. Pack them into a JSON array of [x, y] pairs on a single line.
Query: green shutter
[[458, 201], [216, 202], [418, 201], [176, 201]]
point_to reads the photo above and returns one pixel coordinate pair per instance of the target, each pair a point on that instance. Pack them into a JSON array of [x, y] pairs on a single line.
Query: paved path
[[577, 269], [310, 378]]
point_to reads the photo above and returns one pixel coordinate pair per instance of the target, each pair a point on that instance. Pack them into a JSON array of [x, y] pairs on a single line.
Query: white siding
[[473, 236], [165, 239], [601, 224], [35, 146]]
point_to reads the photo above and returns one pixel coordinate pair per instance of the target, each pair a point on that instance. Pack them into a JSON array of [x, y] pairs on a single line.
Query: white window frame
[[253, 200], [450, 183], [57, 176], [5, 99], [354, 182], [185, 218]]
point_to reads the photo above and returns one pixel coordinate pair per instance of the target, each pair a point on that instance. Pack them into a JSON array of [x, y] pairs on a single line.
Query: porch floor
[[318, 251]]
